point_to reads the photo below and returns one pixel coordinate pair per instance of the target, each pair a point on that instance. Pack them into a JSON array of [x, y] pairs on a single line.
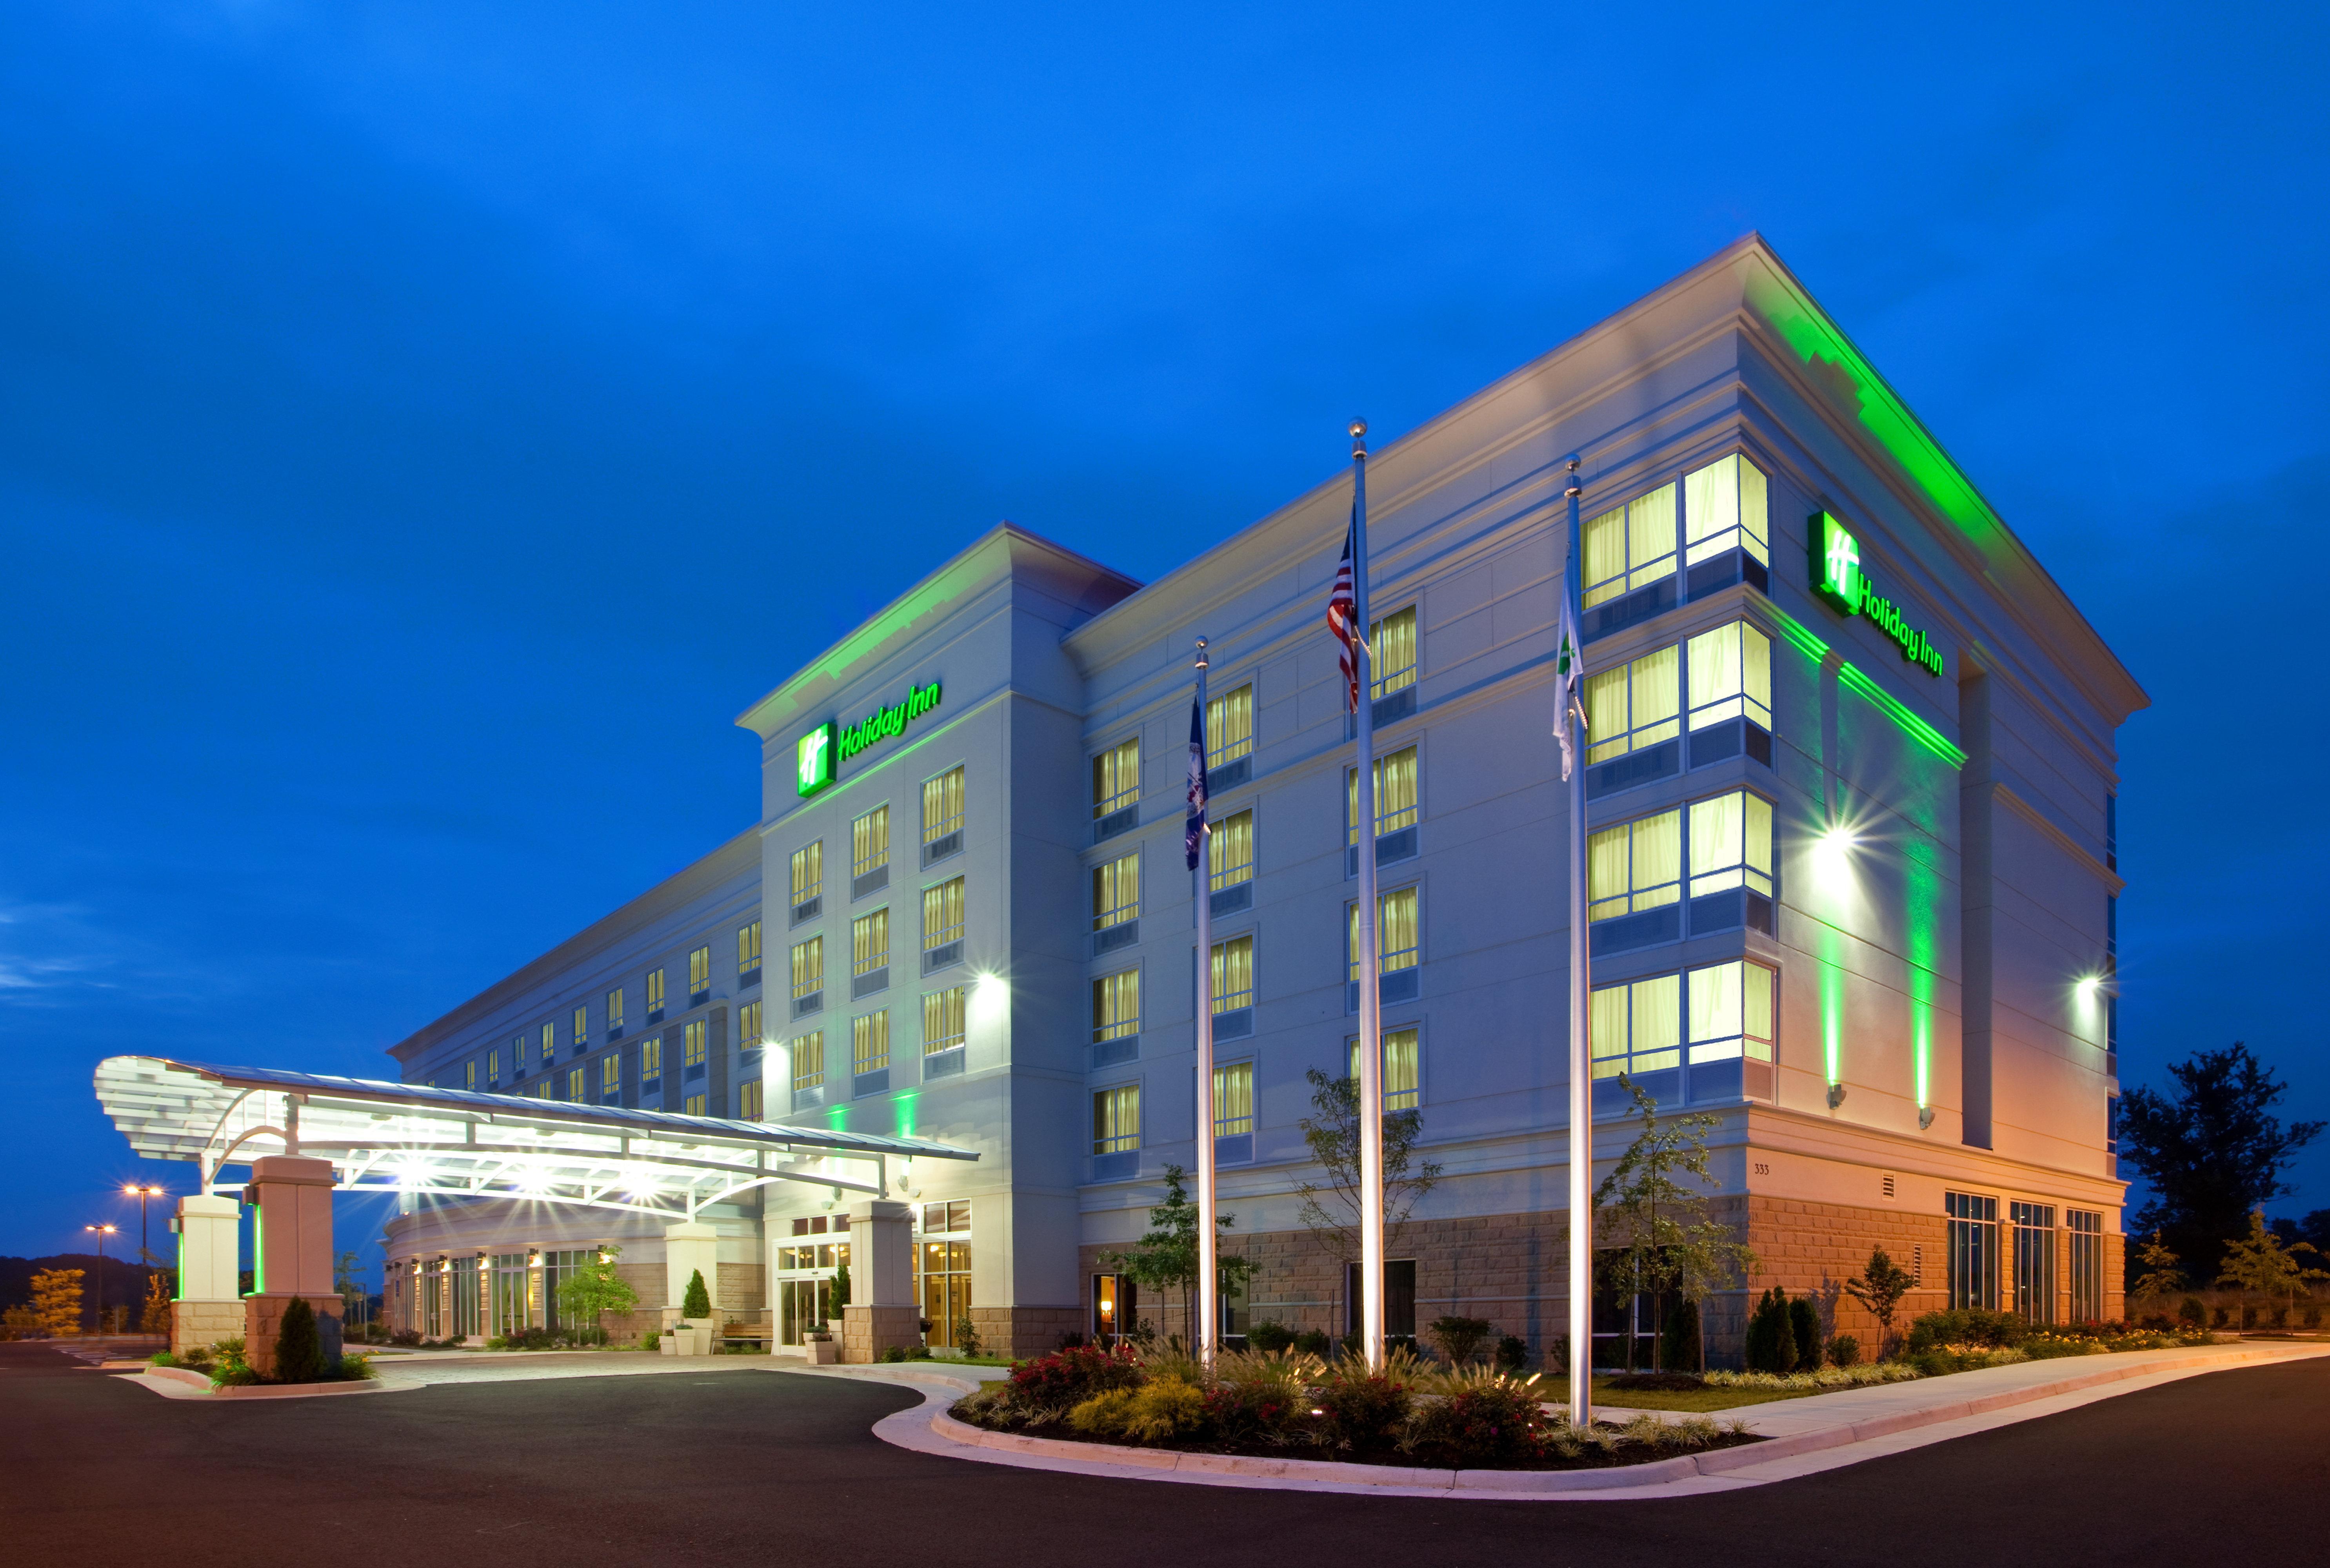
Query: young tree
[[2161, 1276], [1331, 1212], [160, 1286], [1671, 1241], [2210, 1151], [697, 1300], [594, 1288], [1166, 1259], [1879, 1288], [2259, 1264], [350, 1287], [56, 1301]]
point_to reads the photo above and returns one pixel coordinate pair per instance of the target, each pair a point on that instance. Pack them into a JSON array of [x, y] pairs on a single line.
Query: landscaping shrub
[[697, 1302], [1270, 1337], [1069, 1377], [1512, 1354], [1968, 1326], [651, 1340], [232, 1374], [405, 1336], [298, 1347], [1844, 1350], [1771, 1334], [1103, 1415], [195, 1358], [357, 1368], [1804, 1318], [1460, 1338], [966, 1338], [1362, 1412], [1678, 1338], [2313, 1318], [162, 1358], [1313, 1341], [2190, 1310], [1489, 1423], [1859, 1374]]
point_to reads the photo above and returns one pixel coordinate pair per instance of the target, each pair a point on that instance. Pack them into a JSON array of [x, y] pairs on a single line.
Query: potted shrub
[[822, 1350]]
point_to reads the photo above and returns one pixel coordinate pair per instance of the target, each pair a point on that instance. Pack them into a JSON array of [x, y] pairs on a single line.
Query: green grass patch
[[1696, 1400]]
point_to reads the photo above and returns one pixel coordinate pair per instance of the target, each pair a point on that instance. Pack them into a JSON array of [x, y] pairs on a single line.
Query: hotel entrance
[[805, 1271]]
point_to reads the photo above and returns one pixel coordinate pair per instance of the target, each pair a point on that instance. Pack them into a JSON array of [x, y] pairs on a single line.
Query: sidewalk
[[1808, 1435]]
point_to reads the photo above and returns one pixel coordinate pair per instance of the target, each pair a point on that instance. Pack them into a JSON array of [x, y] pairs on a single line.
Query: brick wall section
[[742, 1288], [1811, 1248], [1024, 1331]]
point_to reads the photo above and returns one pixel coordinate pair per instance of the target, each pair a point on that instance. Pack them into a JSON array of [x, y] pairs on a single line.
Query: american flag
[[1342, 608]]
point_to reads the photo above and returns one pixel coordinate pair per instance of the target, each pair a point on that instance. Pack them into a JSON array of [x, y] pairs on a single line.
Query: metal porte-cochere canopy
[[408, 1138]]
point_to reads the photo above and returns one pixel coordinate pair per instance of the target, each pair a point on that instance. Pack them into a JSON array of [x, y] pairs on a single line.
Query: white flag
[[1570, 692]]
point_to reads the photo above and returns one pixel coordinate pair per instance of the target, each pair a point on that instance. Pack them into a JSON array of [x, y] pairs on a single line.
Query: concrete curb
[[180, 1383], [929, 1429]]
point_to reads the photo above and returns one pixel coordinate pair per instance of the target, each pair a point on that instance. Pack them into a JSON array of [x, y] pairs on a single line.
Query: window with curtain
[[494, 1068], [748, 1099], [869, 1042], [809, 1061], [1635, 865], [941, 805], [809, 966], [869, 841], [1233, 1100], [470, 1075], [1398, 941], [1391, 653], [651, 1057], [1116, 891], [699, 970], [614, 1012], [1396, 785], [869, 942], [694, 1106], [1725, 506], [1401, 1065], [941, 914], [1116, 777], [748, 948], [1633, 705], [1636, 1027], [1230, 854], [610, 1074], [1731, 843], [943, 1016], [1631, 546], [1229, 726], [808, 872], [1730, 676], [1731, 1011], [1116, 1005], [655, 991], [1233, 974], [1116, 1119], [576, 1084], [691, 1045]]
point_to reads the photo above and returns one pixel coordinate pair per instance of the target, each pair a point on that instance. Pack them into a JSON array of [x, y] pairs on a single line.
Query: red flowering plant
[[1070, 1377]]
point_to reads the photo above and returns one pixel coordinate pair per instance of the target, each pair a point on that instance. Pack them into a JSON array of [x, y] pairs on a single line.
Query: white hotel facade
[[1851, 878]]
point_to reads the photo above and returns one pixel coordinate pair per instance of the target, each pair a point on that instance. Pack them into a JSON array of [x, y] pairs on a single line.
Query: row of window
[[944, 1028], [1116, 1109], [1723, 507], [1975, 1245], [869, 846], [869, 946], [1638, 866]]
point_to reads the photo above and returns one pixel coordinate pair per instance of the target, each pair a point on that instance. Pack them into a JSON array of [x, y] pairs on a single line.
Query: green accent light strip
[[1895, 709], [906, 1103], [1800, 636]]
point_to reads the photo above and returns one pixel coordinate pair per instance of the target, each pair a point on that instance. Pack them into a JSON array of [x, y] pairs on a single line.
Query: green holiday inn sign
[[818, 754], [1837, 578]]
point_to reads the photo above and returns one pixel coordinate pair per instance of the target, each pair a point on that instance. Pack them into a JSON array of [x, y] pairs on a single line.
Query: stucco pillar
[[882, 1311], [209, 1307], [292, 1248]]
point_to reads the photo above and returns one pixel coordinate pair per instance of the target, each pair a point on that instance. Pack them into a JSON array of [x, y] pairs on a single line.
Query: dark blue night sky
[[424, 428]]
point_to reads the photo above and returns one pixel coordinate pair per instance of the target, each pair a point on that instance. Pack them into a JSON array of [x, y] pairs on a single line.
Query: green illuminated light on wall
[[813, 758], [1837, 577], [906, 1104], [1800, 636], [838, 1119]]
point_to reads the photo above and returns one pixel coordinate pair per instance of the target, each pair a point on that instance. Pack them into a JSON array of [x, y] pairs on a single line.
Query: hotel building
[[1850, 794]]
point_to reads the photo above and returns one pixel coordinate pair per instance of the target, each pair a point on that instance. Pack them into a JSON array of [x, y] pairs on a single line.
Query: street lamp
[[141, 1193], [100, 1232]]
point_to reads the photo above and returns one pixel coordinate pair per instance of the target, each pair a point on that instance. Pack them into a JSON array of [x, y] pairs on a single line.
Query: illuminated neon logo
[[1837, 577], [883, 723], [813, 756]]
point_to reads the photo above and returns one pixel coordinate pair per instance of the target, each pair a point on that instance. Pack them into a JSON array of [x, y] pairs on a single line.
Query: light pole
[[100, 1232], [141, 1193]]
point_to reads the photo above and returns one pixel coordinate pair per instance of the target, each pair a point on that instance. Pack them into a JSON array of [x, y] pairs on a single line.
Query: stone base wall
[[262, 1320], [868, 1331], [742, 1288], [1810, 1249], [1020, 1332], [204, 1323]]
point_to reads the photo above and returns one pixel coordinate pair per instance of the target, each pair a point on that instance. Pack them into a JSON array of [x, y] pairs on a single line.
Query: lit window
[[1731, 843], [1396, 933], [1399, 1068], [869, 841], [1635, 865], [1230, 726], [1116, 891], [1638, 1028], [1233, 974], [1391, 653], [1233, 1100], [748, 948], [809, 872], [941, 805], [1730, 1012], [517, 1058], [1395, 794], [700, 971], [943, 1013], [470, 1074], [2087, 1248], [748, 1026], [1725, 506], [1116, 1120], [655, 991], [809, 1061], [941, 914], [651, 1057], [748, 1099], [576, 1085], [494, 1068], [692, 1105], [869, 1042], [1974, 1250], [1116, 777], [2035, 1260], [1116, 1005], [1633, 705], [869, 942], [1230, 850], [691, 1046], [614, 1010], [582, 1022], [1631, 546], [809, 966], [610, 1074], [1730, 676]]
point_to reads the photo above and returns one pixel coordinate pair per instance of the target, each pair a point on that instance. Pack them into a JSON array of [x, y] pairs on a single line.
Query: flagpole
[[1371, 1159], [1581, 1087], [1207, 1327]]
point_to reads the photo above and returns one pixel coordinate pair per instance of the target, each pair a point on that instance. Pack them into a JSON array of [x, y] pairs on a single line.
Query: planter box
[[823, 1353]]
